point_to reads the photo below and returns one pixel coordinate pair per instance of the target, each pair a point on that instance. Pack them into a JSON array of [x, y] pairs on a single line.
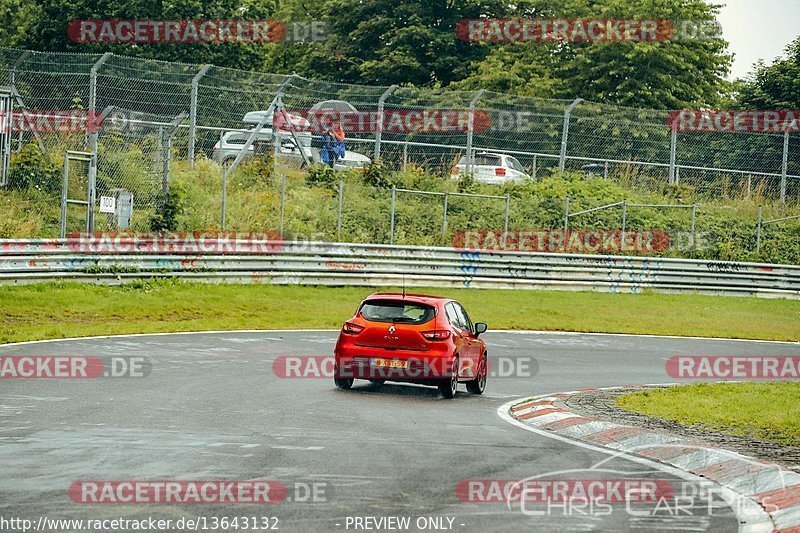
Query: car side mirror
[[480, 327]]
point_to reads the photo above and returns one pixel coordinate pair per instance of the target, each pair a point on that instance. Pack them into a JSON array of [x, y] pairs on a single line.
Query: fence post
[[784, 167], [12, 72], [64, 193], [562, 158], [508, 209], [193, 112], [673, 153], [691, 231], [283, 203], [93, 138], [470, 129], [339, 216], [391, 224], [405, 155], [624, 221], [444, 220], [566, 220], [379, 124], [534, 166], [749, 185], [165, 152], [758, 232], [605, 170], [224, 194]]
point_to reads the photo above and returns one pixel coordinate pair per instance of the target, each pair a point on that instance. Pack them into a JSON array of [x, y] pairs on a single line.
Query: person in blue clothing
[[332, 143]]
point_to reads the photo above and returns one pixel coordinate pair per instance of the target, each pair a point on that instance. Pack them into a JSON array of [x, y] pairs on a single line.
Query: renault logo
[[391, 328]]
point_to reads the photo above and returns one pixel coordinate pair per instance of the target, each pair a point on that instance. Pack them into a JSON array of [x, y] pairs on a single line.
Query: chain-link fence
[[158, 114]]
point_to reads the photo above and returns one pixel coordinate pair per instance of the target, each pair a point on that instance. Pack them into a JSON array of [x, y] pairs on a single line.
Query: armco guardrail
[[316, 263]]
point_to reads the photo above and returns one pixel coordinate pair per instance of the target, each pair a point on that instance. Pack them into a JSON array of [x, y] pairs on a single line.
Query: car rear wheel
[[343, 383], [477, 386], [448, 387]]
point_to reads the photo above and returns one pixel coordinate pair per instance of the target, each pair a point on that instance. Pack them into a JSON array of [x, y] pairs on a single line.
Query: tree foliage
[[775, 86]]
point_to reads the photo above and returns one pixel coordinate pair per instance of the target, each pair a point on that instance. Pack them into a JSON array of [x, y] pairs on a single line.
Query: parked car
[[594, 169], [412, 338], [231, 143], [351, 160], [493, 168]]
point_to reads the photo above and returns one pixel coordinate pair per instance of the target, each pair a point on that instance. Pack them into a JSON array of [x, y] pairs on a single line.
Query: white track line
[[751, 517], [509, 331]]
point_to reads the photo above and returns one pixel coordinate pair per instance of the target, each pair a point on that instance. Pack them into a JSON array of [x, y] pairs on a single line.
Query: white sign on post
[[108, 204]]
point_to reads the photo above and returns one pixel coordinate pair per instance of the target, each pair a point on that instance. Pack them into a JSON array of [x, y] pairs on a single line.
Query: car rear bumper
[[423, 367]]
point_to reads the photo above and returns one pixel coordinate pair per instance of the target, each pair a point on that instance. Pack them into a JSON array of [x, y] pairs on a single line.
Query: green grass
[[58, 310], [765, 411]]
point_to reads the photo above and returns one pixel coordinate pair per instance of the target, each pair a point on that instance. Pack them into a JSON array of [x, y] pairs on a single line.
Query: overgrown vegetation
[[725, 226]]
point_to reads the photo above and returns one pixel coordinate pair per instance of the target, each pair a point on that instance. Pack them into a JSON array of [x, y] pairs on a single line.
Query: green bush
[[172, 207], [320, 175], [30, 168]]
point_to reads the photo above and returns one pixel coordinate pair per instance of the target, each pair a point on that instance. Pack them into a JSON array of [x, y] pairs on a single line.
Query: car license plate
[[389, 363]]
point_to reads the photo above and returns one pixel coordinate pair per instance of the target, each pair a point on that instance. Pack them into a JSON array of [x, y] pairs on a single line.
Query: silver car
[[493, 168]]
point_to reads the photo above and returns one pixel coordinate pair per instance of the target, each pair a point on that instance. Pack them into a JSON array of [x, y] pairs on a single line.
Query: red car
[[412, 338]]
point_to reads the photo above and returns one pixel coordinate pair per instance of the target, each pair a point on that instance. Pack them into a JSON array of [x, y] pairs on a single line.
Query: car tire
[[449, 386], [343, 383], [478, 385]]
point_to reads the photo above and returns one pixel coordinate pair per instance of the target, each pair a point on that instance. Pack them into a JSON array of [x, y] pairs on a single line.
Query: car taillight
[[499, 171], [352, 329], [436, 335]]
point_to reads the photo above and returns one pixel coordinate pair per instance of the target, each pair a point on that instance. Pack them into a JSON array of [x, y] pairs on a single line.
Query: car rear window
[[487, 160], [397, 311]]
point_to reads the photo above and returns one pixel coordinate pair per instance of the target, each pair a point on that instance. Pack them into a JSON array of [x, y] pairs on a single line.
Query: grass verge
[[58, 310], [764, 411]]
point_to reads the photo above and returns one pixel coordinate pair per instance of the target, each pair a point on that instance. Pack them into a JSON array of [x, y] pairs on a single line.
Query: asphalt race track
[[211, 407]]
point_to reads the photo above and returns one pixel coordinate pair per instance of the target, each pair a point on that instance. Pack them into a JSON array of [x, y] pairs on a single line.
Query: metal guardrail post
[[379, 130], [193, 112], [470, 130], [784, 167], [444, 220], [562, 158], [391, 224], [758, 231], [93, 138], [339, 215]]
